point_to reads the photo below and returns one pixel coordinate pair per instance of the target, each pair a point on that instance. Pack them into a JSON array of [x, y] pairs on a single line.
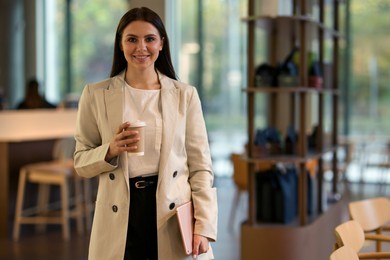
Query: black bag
[[268, 141], [277, 195]]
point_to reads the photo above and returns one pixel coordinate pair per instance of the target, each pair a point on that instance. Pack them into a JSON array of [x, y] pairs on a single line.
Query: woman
[[137, 195]]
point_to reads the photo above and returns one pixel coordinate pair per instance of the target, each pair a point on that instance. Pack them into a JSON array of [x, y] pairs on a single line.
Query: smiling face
[[141, 44]]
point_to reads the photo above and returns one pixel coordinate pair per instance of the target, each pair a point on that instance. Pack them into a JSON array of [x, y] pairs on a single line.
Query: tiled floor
[[51, 246]]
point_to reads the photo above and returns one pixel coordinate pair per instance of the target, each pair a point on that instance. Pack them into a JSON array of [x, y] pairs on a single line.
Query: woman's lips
[[141, 57]]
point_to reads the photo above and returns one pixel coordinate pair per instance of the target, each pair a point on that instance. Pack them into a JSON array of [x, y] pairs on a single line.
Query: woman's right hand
[[123, 141]]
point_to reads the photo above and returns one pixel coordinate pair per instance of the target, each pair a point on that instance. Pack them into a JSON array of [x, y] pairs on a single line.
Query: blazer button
[[112, 176], [172, 206], [115, 208], [174, 174]]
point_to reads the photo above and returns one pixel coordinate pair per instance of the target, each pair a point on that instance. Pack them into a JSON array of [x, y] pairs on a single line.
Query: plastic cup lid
[[137, 124]]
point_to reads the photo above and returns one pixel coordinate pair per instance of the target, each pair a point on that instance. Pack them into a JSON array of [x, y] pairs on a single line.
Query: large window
[[209, 53], [370, 92], [76, 39], [208, 47]]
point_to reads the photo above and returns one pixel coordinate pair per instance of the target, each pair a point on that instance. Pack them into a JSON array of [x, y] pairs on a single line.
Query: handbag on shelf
[[277, 195]]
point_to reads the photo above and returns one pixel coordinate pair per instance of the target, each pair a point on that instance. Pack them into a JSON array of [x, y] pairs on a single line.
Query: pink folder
[[185, 216]]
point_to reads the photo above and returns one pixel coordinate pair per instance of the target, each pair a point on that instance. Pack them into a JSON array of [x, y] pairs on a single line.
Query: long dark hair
[[163, 62]]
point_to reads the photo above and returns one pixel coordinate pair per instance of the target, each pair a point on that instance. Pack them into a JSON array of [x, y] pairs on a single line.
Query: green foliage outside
[[223, 59], [93, 29], [93, 33], [370, 92]]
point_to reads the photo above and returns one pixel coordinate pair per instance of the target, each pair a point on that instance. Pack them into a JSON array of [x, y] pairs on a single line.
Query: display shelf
[[292, 242], [299, 105], [284, 158], [263, 21], [291, 90]]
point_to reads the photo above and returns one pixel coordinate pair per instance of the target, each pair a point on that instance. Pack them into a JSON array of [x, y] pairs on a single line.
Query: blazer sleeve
[[90, 153], [201, 175]]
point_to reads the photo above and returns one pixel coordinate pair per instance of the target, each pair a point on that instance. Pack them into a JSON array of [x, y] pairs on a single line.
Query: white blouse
[[144, 105]]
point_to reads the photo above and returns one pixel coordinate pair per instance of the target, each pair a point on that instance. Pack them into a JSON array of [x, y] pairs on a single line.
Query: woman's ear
[[162, 43]]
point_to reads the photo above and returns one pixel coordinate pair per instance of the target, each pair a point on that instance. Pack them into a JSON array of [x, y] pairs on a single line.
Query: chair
[[344, 253], [240, 178], [372, 214], [351, 234], [58, 172]]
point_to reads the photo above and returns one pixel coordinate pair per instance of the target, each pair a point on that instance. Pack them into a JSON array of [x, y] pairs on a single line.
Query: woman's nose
[[141, 45]]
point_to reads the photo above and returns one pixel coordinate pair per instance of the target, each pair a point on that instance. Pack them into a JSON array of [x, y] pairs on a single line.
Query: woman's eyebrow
[[148, 35], [131, 35]]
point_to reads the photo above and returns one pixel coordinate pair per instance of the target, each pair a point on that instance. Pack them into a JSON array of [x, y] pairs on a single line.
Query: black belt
[[143, 182]]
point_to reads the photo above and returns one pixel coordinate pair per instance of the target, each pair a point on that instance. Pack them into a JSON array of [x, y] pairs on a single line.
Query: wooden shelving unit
[[263, 239]]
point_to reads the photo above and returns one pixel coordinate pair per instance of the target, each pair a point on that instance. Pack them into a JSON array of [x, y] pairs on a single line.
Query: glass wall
[[370, 92], [75, 43], [208, 47], [210, 51], [208, 43]]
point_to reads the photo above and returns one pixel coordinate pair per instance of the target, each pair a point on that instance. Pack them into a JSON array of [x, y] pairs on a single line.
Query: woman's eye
[[150, 39], [132, 39]]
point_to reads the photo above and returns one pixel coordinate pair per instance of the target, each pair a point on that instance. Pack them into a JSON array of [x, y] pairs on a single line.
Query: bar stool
[[58, 172]]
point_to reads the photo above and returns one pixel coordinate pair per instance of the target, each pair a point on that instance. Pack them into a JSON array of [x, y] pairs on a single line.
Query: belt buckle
[[139, 185]]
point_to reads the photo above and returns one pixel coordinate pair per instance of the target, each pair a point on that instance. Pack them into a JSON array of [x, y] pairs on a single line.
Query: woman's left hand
[[200, 245]]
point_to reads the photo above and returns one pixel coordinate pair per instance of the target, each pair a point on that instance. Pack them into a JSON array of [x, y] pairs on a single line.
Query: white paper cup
[[140, 127]]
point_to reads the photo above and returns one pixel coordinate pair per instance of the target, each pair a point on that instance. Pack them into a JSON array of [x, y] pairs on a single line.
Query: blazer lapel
[[113, 98], [169, 103]]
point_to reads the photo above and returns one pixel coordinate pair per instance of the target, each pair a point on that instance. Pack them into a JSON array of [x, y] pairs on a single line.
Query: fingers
[[123, 141], [126, 137], [123, 132], [123, 127], [200, 245]]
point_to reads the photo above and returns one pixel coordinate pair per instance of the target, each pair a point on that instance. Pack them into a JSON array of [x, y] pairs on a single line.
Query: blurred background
[[65, 44], [68, 43]]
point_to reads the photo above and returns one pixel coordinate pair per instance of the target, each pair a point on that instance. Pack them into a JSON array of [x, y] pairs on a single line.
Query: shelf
[[263, 21], [329, 203], [290, 90], [299, 106], [285, 158], [276, 159], [286, 242]]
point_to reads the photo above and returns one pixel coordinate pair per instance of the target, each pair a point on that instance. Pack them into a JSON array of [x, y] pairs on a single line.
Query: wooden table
[[24, 126]]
